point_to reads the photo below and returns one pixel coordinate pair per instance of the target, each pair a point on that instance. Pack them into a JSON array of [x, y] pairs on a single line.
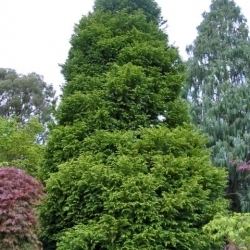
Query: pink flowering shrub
[[243, 166], [19, 193]]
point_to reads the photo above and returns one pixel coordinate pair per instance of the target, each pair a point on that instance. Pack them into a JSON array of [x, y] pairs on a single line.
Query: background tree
[[18, 146], [127, 179], [19, 192], [25, 96], [218, 88]]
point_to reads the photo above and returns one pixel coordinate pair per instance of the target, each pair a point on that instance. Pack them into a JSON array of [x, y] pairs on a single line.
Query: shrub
[[19, 192], [149, 189], [233, 229]]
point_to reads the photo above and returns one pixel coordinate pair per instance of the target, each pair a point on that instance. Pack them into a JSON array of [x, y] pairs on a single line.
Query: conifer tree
[[218, 87], [123, 169], [121, 74]]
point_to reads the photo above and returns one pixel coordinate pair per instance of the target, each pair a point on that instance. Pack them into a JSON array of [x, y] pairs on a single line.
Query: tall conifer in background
[[219, 91], [123, 170]]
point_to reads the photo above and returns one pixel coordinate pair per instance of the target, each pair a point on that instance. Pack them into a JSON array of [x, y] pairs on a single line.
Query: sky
[[35, 34]]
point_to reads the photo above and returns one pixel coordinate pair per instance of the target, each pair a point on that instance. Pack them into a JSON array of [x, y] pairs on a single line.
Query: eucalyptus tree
[[25, 96]]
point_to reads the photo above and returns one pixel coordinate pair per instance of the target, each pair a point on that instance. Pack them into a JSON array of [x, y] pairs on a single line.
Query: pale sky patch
[[35, 34]]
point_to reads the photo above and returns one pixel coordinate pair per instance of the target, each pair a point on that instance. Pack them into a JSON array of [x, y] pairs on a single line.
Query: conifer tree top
[[225, 15], [149, 7]]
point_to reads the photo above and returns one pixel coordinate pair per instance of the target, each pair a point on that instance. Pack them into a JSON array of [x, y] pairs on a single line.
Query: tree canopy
[[123, 170], [149, 7], [18, 145], [121, 74], [218, 58], [134, 190], [25, 96], [218, 88]]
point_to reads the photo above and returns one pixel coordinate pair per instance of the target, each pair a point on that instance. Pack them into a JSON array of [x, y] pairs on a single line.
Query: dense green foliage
[[121, 74], [150, 189], [25, 96], [218, 57], [234, 228], [18, 146], [123, 170], [149, 7], [218, 88]]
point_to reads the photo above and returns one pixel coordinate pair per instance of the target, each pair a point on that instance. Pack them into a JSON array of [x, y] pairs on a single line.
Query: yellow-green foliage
[[231, 228], [18, 145], [149, 189], [121, 74], [118, 177]]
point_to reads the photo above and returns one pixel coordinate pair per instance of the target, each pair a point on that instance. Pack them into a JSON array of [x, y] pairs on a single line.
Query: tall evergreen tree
[[218, 87], [120, 75], [150, 8], [127, 179]]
